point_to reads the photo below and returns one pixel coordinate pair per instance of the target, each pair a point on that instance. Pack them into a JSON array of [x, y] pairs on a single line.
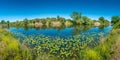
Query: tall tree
[[76, 16], [58, 17], [17, 22], [8, 22], [102, 19], [37, 20], [86, 20], [3, 21], [25, 21], [115, 19]]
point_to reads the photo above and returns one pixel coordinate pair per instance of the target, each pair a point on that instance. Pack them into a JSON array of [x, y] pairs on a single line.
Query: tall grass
[[104, 51], [11, 49]]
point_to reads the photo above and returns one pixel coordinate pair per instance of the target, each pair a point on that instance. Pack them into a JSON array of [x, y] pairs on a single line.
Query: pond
[[62, 42], [62, 32]]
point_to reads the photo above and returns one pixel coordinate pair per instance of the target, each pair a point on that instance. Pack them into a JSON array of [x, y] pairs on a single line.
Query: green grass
[[11, 49], [103, 51]]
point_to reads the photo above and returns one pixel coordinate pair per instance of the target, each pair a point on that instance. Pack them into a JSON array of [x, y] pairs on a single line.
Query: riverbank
[[0, 26], [12, 49], [116, 56]]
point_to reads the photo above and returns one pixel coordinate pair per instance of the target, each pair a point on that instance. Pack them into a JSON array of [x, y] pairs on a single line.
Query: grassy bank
[[12, 49], [105, 50]]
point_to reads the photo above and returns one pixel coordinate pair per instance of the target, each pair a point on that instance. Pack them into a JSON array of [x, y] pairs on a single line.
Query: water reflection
[[61, 31], [103, 26], [79, 28], [75, 27]]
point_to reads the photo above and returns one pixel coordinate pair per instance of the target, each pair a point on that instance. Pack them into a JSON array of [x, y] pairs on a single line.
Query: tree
[[17, 23], [33, 21], [25, 21], [62, 20], [115, 19], [37, 20], [58, 17], [8, 22], [117, 25], [53, 19], [42, 20], [102, 19], [76, 16], [3, 22], [86, 20]]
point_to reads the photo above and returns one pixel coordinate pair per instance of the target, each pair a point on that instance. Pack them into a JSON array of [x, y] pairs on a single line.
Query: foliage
[[3, 21], [11, 49], [115, 19], [102, 19], [87, 21], [77, 19], [117, 25], [76, 16], [25, 22], [116, 22], [92, 55]]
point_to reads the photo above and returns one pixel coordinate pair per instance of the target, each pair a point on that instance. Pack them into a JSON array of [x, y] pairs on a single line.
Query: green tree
[[53, 19], [117, 25], [62, 20], [17, 23], [115, 19], [8, 22], [76, 16], [3, 22], [37, 20], [42, 20], [102, 19], [58, 17], [86, 20], [26, 22], [33, 21]]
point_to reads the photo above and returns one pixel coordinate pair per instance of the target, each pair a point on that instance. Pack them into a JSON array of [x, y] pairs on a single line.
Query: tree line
[[76, 19]]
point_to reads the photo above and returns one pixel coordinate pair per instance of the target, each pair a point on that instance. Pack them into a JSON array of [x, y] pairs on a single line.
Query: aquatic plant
[[57, 46]]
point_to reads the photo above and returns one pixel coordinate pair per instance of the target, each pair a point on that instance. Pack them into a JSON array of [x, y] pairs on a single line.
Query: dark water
[[62, 32]]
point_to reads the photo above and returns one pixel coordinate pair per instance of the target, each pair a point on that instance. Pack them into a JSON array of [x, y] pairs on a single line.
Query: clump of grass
[[11, 49], [107, 48], [91, 55]]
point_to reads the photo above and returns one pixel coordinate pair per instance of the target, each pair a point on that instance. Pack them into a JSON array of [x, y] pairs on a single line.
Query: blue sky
[[13, 10]]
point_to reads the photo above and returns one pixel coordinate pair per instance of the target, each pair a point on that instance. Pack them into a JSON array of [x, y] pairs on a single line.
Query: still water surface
[[62, 32]]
